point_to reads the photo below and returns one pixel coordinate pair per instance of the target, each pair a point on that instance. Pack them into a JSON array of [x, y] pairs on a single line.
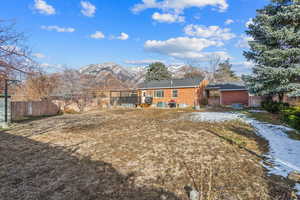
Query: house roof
[[228, 86], [174, 83]]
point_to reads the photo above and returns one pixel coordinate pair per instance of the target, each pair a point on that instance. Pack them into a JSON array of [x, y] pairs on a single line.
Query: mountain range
[[127, 76]]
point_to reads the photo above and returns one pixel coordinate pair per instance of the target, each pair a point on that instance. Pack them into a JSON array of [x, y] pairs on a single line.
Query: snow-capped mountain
[[101, 71], [130, 76]]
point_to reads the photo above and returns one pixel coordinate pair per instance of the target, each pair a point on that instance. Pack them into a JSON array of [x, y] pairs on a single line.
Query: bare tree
[[14, 54], [77, 88], [194, 69], [214, 61], [37, 86]]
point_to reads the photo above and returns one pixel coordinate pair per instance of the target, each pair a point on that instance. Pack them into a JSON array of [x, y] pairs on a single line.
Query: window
[[159, 93], [175, 93]]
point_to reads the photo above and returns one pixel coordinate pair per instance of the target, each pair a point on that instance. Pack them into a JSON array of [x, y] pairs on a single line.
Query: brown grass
[[130, 154]]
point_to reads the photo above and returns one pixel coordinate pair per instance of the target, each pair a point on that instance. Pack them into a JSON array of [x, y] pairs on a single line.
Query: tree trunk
[[280, 97], [269, 98]]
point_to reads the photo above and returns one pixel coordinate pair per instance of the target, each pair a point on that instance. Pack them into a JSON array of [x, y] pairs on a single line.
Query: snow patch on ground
[[284, 152]]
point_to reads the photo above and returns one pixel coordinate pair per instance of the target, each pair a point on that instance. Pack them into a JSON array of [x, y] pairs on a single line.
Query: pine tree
[[224, 72], [275, 49], [157, 71]]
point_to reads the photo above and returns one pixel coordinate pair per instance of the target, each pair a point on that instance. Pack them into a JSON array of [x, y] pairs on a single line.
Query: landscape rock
[[194, 195], [294, 176]]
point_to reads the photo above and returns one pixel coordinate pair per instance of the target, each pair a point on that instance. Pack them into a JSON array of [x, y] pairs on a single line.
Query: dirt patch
[[129, 154]]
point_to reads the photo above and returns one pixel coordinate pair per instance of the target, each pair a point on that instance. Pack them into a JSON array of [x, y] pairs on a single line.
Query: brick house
[[226, 94], [182, 92]]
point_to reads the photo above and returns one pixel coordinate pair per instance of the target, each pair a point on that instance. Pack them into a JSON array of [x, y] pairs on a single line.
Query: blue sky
[[132, 32]]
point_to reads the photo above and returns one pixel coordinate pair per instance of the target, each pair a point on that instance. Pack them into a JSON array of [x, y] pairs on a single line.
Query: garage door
[[234, 97]]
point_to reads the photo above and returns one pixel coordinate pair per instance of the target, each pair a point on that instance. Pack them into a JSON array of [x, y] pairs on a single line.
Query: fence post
[[5, 100], [4, 105]]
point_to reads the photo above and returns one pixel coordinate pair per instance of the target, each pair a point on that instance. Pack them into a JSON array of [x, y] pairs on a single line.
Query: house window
[[175, 93], [159, 93]]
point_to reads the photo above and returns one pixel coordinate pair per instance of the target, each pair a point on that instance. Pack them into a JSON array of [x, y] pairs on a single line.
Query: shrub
[[204, 101], [291, 116], [274, 106]]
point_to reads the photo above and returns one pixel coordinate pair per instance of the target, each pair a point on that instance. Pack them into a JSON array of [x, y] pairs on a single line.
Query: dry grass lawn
[[131, 154]]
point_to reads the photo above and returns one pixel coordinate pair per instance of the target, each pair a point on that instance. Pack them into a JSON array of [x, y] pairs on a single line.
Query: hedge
[[291, 116], [274, 106]]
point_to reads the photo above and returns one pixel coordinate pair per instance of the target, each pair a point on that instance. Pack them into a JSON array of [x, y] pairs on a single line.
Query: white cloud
[[167, 17], [39, 55], [123, 36], [97, 35], [229, 21], [48, 66], [201, 56], [244, 42], [181, 44], [244, 67], [246, 64], [88, 9], [213, 32], [141, 62], [197, 17], [45, 65], [58, 29], [43, 7], [249, 22], [185, 48], [179, 5]]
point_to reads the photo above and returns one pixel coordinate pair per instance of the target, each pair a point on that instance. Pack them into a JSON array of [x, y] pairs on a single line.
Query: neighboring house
[[182, 92], [226, 94]]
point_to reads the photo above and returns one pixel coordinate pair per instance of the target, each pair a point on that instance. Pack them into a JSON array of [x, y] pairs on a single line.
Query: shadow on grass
[[31, 119], [35, 170]]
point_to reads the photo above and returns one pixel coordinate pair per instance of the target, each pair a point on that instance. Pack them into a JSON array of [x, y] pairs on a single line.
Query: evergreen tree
[[275, 49], [224, 72], [157, 71]]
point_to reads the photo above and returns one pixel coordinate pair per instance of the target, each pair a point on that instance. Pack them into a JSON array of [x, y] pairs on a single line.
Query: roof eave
[[233, 89], [168, 87]]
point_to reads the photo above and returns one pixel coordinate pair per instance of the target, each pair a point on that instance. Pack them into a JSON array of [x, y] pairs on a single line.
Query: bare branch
[[14, 54]]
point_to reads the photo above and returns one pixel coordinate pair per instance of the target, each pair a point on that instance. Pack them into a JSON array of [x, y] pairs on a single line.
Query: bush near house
[[274, 106], [290, 115]]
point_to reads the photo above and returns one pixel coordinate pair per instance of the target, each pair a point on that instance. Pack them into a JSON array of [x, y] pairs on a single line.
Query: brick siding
[[187, 96]]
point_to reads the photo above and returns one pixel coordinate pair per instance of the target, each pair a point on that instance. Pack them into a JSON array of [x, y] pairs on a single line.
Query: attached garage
[[227, 94]]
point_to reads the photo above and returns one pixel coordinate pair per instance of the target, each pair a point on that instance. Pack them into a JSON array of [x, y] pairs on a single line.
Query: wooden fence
[[22, 109], [214, 100]]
